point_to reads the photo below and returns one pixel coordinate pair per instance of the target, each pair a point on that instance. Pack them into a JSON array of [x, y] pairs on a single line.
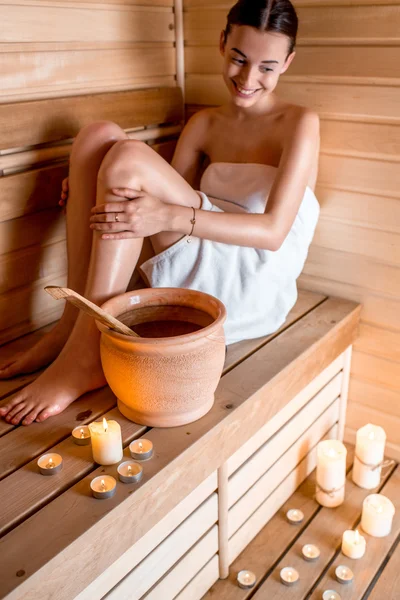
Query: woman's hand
[[138, 215], [64, 192]]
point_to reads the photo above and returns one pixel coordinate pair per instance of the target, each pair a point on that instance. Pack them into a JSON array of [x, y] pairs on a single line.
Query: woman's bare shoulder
[[301, 118]]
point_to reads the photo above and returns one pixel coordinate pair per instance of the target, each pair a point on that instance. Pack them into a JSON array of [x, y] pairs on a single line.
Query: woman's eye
[[265, 70], [238, 61]]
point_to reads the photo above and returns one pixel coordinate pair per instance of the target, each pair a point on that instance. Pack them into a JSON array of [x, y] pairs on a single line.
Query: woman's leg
[[77, 369], [88, 151]]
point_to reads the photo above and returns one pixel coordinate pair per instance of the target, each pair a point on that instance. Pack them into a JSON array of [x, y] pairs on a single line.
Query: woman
[[243, 250]]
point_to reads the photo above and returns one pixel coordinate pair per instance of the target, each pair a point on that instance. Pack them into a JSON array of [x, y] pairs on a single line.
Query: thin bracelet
[[193, 222]]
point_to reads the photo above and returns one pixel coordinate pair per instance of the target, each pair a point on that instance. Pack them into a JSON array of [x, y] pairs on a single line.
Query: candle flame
[[129, 470], [50, 464], [289, 575], [357, 537], [332, 452], [371, 435], [82, 433], [105, 425], [140, 446], [103, 484]]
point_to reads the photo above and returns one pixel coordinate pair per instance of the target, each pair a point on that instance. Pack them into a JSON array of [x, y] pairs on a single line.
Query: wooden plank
[[34, 23], [377, 549], [111, 576], [77, 462], [379, 342], [285, 415], [312, 60], [23, 71], [246, 397], [250, 501], [367, 393], [46, 226], [363, 138], [149, 3], [158, 562], [39, 121], [201, 583], [344, 391], [202, 27], [387, 586], [371, 103], [187, 568], [294, 429], [376, 370], [305, 302], [218, 4], [326, 531], [382, 246], [259, 554]]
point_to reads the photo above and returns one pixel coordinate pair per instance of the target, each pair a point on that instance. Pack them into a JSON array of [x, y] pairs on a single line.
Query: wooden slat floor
[[34, 538], [279, 544]]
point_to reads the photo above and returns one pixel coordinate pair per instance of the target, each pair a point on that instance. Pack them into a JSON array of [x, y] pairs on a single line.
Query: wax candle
[[295, 516], [370, 449], [106, 442], [331, 595], [289, 576], [50, 464], [141, 449], [103, 487], [310, 552], [130, 472], [331, 473], [246, 579], [353, 544], [81, 435], [344, 574], [377, 515]]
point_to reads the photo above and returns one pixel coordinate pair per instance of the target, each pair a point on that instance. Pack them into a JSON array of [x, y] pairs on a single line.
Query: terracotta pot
[[170, 379]]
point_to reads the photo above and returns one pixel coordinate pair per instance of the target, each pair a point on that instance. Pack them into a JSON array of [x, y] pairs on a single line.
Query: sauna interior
[[63, 58]]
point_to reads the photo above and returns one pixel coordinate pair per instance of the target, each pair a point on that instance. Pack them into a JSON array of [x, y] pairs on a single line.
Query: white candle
[[370, 449], [331, 473], [106, 442], [377, 515], [353, 544], [246, 579]]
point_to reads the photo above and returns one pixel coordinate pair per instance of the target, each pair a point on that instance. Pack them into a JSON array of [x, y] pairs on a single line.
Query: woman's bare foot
[[40, 355], [77, 370]]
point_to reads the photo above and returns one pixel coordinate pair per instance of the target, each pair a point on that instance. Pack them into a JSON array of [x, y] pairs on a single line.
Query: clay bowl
[[168, 376]]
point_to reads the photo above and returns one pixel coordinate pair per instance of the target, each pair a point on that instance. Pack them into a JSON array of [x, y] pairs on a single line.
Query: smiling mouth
[[243, 91]]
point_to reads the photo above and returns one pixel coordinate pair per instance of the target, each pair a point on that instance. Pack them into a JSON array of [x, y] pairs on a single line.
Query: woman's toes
[[14, 411], [19, 416], [11, 408], [49, 411], [32, 414]]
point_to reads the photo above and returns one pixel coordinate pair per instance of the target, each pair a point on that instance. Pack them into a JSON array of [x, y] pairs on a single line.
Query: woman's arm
[[188, 156], [269, 230]]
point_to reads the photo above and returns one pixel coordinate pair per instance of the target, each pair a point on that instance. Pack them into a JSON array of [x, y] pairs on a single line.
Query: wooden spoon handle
[[89, 308]]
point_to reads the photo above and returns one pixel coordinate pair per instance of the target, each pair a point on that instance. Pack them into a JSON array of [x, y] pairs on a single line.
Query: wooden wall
[[347, 69], [63, 48]]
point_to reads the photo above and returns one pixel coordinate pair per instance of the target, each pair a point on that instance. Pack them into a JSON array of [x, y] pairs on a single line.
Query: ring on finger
[[116, 217]]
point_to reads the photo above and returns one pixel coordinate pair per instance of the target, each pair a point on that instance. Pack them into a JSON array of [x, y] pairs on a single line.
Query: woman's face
[[253, 62]]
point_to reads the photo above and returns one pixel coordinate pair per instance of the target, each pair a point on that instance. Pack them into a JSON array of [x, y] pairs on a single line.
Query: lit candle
[[370, 449], [50, 464], [331, 473], [141, 449], [103, 487], [344, 574], [377, 515], [289, 576], [106, 442], [246, 579], [353, 544], [130, 472], [295, 516], [81, 435], [310, 552], [331, 595]]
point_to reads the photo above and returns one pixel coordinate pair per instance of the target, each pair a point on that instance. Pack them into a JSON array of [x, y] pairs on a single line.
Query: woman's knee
[[97, 137], [124, 161]]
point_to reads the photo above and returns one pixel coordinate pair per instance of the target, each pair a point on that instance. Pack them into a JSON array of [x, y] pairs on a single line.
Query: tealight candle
[[50, 464], [370, 449], [344, 574], [377, 515], [246, 579], [331, 595], [130, 472], [103, 486], [331, 473], [81, 435], [289, 576], [106, 442], [141, 449], [310, 552], [295, 516], [353, 544]]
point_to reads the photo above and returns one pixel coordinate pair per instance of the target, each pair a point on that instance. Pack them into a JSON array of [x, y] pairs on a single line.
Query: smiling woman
[[249, 224]]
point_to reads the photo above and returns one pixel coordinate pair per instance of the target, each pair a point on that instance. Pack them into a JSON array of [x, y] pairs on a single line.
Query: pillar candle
[[353, 544], [377, 515], [331, 472], [106, 442], [370, 449]]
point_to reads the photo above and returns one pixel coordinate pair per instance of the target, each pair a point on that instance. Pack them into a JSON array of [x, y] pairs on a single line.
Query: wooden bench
[[211, 485]]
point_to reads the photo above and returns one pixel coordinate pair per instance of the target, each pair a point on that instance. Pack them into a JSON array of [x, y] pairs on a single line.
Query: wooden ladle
[[89, 308]]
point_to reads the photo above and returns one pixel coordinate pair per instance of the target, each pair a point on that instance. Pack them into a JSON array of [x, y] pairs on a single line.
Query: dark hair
[[265, 15]]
